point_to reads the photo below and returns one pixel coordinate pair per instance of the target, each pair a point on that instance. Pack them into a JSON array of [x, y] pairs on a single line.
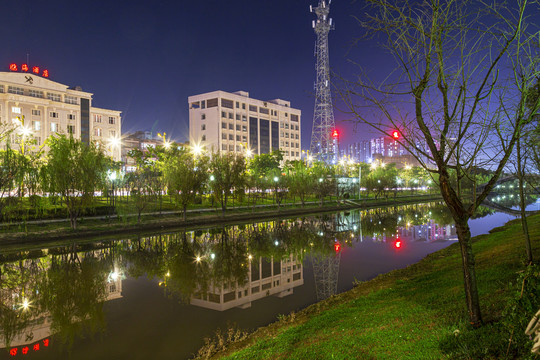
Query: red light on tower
[[395, 134], [337, 247], [335, 134], [13, 67]]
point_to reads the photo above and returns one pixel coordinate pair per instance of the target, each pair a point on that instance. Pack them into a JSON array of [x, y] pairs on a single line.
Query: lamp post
[[112, 178], [276, 179]]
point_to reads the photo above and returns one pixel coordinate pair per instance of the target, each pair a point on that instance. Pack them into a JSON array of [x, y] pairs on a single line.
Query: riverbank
[[47, 231], [414, 313]]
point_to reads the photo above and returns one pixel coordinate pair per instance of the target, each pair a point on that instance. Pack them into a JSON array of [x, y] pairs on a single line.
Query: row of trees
[[71, 173]]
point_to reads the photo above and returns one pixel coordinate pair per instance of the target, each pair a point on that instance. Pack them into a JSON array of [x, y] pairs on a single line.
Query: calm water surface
[[158, 297]]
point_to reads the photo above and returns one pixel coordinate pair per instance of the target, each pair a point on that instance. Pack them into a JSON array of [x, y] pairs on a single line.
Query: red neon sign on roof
[[25, 68]]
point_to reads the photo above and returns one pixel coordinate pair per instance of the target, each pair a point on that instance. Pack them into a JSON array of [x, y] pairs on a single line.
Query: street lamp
[[112, 178]]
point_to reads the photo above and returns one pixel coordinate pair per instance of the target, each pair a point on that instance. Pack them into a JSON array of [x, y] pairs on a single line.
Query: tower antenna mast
[[323, 144]]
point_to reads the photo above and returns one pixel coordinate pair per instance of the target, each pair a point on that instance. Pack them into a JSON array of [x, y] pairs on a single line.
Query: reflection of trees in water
[[68, 287], [18, 281]]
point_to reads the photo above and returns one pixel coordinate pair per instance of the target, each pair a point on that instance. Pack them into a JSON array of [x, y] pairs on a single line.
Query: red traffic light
[[395, 134]]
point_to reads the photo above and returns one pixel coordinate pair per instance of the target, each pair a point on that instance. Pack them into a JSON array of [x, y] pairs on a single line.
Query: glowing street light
[[197, 149]]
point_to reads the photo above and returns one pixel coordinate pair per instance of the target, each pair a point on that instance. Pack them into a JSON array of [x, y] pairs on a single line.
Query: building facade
[[233, 122], [38, 108], [359, 151]]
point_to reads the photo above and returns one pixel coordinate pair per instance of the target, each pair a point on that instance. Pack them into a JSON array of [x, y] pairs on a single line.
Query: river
[[158, 297]]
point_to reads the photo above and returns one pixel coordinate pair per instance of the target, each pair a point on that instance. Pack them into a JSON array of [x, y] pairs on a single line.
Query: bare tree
[[454, 62]]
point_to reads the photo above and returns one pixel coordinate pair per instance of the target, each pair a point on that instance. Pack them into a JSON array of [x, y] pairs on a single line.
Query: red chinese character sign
[[25, 68]]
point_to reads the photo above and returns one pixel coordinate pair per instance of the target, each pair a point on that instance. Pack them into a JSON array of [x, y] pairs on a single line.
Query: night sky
[[145, 58]]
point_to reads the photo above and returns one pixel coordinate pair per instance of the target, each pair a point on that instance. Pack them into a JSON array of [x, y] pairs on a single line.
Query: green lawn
[[410, 313]]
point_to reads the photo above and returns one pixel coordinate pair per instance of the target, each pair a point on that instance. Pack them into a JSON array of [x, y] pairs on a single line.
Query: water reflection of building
[[39, 327], [265, 277], [428, 232]]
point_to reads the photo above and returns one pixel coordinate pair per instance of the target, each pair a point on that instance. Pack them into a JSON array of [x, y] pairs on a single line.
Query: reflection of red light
[[25, 350], [45, 73], [46, 342], [337, 247], [24, 67], [13, 352], [13, 67], [35, 70], [397, 244]]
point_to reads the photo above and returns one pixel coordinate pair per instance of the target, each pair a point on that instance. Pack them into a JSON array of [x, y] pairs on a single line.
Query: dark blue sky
[[146, 57]]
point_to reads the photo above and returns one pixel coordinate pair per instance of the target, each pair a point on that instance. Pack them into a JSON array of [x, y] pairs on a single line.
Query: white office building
[[234, 122], [38, 107]]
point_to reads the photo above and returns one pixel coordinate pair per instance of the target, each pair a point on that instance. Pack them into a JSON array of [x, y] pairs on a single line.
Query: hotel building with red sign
[[38, 107], [233, 122]]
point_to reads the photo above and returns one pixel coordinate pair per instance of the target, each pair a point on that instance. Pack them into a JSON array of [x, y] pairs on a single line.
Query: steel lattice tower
[[323, 146], [325, 272]]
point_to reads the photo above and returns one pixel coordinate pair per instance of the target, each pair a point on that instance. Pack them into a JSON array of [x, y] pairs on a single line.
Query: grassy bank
[[414, 313]]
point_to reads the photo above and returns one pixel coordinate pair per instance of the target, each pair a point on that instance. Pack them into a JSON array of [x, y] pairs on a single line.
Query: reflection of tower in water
[[325, 272]]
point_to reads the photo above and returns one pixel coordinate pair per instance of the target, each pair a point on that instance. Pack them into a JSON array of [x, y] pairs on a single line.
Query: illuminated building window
[[36, 112], [72, 116], [1, 88], [15, 90], [244, 138], [54, 97], [15, 110], [244, 118], [244, 128], [112, 120], [54, 127], [36, 125], [71, 100], [36, 93], [53, 114], [97, 132], [97, 118]]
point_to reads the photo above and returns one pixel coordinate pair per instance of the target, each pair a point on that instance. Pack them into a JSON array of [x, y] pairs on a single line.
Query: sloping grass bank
[[414, 313]]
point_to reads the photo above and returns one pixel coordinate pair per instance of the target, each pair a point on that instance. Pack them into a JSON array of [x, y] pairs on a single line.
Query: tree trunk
[[524, 224], [185, 212], [469, 273]]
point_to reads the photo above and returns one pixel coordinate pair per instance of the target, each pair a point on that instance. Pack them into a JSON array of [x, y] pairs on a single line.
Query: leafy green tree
[[185, 176], [324, 181], [228, 172], [299, 179], [74, 171]]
